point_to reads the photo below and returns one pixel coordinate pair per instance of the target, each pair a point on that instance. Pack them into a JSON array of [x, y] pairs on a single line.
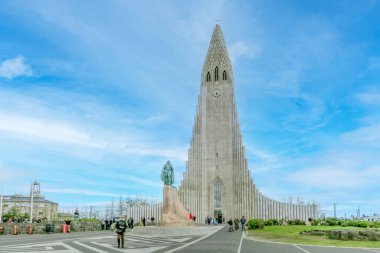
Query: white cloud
[[370, 98], [243, 49], [336, 176], [15, 67], [366, 136], [81, 192], [44, 129]]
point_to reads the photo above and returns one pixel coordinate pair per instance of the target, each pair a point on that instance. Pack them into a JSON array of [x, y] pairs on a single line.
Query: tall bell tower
[[217, 181]]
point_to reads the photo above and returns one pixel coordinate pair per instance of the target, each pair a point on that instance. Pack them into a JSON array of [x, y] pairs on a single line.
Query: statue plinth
[[173, 212]]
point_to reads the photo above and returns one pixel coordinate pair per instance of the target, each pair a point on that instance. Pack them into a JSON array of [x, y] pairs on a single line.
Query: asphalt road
[[102, 242]]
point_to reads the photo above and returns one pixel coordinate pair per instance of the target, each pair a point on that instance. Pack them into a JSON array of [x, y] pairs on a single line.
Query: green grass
[[291, 234]]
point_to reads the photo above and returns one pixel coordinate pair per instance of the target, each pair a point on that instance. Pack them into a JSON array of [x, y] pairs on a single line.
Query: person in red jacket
[[190, 216]]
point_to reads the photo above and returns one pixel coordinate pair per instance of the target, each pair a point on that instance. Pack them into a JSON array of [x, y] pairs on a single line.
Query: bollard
[[30, 229], [15, 229], [64, 228]]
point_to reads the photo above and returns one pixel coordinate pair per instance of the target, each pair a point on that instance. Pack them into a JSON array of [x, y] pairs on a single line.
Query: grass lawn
[[291, 234]]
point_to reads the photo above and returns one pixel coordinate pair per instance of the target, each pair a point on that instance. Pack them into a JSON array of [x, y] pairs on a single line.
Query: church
[[217, 181]]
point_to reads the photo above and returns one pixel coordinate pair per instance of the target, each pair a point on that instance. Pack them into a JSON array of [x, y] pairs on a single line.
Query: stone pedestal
[[173, 212]]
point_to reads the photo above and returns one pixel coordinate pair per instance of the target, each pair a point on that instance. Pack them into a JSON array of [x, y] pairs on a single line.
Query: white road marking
[[71, 249], [89, 247], [190, 243], [241, 241], [298, 247], [372, 250], [179, 239], [141, 250], [316, 246]]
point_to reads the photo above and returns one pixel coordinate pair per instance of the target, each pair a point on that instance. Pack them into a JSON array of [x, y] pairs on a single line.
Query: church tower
[[217, 181]]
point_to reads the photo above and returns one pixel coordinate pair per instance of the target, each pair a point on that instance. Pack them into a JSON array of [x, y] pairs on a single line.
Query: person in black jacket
[[121, 226]]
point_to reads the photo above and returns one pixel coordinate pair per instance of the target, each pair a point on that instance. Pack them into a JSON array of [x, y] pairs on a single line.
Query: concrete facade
[[217, 181], [42, 208]]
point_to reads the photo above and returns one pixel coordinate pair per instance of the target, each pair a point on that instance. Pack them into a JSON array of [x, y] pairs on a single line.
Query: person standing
[[143, 221], [236, 222], [231, 223], [121, 226], [243, 220]]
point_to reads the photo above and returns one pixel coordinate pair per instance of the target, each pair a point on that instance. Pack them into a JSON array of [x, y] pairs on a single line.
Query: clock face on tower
[[216, 93]]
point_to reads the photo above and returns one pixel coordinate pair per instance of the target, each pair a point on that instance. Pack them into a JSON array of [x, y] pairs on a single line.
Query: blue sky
[[95, 96]]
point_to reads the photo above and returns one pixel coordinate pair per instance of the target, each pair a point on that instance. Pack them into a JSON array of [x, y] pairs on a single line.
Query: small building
[[374, 217], [43, 209]]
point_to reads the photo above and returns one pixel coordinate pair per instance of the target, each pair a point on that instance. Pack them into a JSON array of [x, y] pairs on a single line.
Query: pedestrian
[[103, 224], [129, 222], [231, 223], [190, 216], [143, 221], [194, 218], [107, 224], [121, 226], [243, 220], [236, 222], [152, 219]]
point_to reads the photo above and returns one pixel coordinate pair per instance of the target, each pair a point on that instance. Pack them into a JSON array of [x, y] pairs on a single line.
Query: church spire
[[217, 58]]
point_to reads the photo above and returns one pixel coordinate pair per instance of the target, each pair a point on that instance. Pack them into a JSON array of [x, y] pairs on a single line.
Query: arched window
[[216, 73], [224, 75], [208, 77], [218, 193]]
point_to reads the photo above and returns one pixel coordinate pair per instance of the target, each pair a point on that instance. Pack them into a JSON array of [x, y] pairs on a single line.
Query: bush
[[255, 224], [269, 223], [299, 222], [362, 224], [291, 222], [89, 220], [332, 222], [374, 224], [315, 222]]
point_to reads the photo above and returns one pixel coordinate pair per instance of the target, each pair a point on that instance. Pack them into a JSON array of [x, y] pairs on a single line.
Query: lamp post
[[31, 203], [34, 188]]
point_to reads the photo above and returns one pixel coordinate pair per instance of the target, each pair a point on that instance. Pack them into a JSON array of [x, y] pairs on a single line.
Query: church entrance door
[[218, 216]]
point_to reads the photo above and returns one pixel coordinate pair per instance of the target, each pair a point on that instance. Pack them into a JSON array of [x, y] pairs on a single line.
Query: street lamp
[[34, 189]]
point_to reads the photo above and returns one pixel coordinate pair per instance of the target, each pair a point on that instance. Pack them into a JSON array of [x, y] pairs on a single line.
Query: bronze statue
[[167, 174]]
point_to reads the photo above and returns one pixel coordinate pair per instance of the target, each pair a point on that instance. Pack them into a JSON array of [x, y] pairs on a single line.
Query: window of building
[[224, 75], [218, 193], [208, 77], [216, 73]]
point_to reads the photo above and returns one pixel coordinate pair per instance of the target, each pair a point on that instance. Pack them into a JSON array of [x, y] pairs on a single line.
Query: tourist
[[243, 220], [107, 224], [130, 223], [231, 223], [121, 226], [143, 221], [152, 219], [236, 222], [194, 218], [190, 216]]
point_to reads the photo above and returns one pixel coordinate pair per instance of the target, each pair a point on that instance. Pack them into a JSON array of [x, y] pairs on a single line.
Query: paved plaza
[[194, 240]]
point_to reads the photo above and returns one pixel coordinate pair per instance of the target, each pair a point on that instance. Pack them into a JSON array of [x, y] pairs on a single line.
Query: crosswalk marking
[[99, 244], [89, 247], [132, 250]]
